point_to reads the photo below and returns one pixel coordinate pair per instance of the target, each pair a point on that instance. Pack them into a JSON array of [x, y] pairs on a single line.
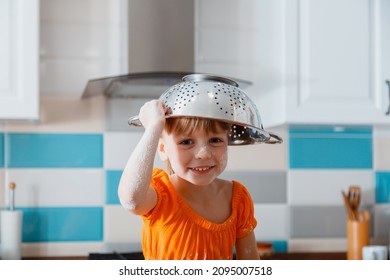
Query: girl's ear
[[161, 150]]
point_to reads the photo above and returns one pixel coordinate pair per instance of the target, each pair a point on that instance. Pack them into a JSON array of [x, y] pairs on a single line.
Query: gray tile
[[381, 223], [318, 222], [264, 187]]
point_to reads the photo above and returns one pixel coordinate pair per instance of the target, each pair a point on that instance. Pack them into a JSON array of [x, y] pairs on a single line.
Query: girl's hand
[[152, 113]]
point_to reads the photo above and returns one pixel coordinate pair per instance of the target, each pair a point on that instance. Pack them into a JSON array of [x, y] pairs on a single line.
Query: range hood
[[160, 51], [147, 85]]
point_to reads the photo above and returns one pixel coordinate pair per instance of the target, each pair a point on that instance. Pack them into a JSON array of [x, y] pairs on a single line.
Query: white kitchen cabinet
[[19, 57], [335, 63], [385, 52]]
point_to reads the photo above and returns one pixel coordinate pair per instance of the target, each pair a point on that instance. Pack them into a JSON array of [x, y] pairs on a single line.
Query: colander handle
[[134, 121], [275, 139]]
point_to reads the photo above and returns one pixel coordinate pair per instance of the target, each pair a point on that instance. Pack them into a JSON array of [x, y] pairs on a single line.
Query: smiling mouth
[[202, 169]]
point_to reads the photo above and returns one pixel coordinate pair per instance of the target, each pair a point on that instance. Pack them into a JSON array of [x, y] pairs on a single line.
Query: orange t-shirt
[[173, 231]]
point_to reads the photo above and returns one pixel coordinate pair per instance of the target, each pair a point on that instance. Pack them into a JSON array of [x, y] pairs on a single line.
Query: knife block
[[358, 236]]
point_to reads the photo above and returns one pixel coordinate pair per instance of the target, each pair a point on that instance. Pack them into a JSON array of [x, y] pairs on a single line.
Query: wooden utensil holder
[[358, 236]]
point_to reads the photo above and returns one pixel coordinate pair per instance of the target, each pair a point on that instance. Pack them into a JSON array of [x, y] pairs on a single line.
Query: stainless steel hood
[[160, 51], [136, 85]]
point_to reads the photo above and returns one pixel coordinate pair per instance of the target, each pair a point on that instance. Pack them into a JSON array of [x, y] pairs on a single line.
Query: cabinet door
[[19, 93], [332, 52], [384, 78]]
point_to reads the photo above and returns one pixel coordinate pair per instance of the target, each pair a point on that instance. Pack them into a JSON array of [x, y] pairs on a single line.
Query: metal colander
[[219, 98]]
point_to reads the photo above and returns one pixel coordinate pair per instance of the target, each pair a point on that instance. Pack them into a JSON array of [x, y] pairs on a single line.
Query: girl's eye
[[216, 140], [186, 142]]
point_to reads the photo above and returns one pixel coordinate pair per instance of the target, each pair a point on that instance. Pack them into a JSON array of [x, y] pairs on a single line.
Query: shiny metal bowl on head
[[217, 98]]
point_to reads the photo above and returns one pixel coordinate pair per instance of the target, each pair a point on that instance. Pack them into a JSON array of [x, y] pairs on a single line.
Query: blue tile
[[112, 182], [329, 147], [382, 183], [55, 150], [62, 224], [1, 150]]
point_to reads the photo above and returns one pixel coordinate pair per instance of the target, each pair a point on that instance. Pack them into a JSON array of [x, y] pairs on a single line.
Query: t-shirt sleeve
[[246, 221]]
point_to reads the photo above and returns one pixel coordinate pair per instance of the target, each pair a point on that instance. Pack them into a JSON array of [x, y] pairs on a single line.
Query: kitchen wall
[[67, 166]]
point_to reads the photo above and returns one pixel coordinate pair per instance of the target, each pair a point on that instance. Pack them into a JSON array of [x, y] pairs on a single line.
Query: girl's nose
[[203, 152]]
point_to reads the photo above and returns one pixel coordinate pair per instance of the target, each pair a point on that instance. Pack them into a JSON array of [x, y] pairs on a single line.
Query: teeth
[[201, 168]]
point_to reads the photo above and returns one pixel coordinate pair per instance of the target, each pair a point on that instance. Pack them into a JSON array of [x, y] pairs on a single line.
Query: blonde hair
[[188, 125]]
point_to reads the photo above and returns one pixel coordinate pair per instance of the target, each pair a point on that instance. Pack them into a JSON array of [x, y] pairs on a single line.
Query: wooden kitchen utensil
[[354, 196], [348, 209]]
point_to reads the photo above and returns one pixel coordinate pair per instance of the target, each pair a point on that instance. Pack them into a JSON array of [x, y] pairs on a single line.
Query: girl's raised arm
[[134, 191]]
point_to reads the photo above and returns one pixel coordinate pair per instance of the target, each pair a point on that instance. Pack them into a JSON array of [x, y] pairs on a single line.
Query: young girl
[[189, 213]]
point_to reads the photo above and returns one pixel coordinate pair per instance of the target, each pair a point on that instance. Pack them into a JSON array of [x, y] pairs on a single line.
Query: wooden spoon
[[354, 196], [350, 214]]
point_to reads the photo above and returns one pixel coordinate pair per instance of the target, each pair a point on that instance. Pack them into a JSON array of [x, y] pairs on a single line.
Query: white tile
[[58, 187], [69, 77], [66, 115], [88, 42], [118, 147], [229, 13], [119, 110], [323, 187], [317, 245], [228, 45], [61, 249], [121, 226], [81, 11], [272, 222], [259, 157]]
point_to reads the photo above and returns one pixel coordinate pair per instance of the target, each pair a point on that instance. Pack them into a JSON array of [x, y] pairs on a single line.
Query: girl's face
[[199, 157]]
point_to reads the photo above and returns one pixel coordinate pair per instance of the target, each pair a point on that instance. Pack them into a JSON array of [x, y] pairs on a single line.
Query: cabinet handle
[[388, 109]]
